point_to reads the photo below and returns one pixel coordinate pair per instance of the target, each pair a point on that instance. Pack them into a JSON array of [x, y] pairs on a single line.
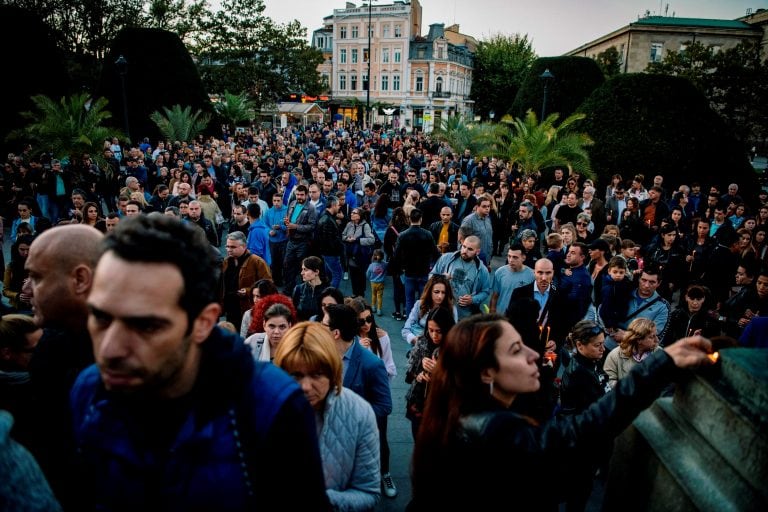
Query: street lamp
[[368, 88], [122, 70], [546, 77]]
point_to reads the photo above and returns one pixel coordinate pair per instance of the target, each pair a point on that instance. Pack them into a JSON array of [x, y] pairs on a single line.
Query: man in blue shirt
[[258, 237], [274, 218]]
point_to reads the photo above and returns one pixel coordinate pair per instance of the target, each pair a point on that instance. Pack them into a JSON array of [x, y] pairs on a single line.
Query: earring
[[491, 386]]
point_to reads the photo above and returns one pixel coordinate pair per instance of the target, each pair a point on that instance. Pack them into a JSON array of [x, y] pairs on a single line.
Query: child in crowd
[[616, 292], [555, 252], [629, 253], [377, 273]]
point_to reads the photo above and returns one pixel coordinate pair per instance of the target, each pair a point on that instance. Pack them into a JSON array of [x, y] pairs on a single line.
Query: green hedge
[[660, 124], [575, 79], [161, 73]]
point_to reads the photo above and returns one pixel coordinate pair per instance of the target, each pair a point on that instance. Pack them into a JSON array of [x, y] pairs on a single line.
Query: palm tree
[[536, 146], [459, 135], [69, 127], [235, 108], [180, 123]]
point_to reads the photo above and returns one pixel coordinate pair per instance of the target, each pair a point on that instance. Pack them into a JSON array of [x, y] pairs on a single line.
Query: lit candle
[[714, 356]]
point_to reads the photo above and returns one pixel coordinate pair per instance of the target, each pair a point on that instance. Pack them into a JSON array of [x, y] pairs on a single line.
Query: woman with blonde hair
[[639, 342], [347, 431], [139, 197]]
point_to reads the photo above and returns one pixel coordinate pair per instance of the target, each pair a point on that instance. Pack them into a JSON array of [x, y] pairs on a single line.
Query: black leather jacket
[[497, 456]]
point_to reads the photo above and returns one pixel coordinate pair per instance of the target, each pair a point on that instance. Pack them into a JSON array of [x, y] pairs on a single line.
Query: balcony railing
[[441, 94]]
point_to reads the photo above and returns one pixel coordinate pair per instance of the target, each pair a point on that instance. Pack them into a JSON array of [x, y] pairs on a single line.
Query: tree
[[180, 123], [38, 69], [234, 108], [501, 64], [69, 127], [735, 81], [241, 50], [536, 145], [650, 124], [609, 62]]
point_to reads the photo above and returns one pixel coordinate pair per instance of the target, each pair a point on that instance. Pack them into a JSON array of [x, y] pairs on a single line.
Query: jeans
[[413, 287], [333, 268], [42, 201], [398, 293]]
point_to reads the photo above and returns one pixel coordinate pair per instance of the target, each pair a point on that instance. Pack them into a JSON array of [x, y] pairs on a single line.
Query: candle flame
[[714, 356]]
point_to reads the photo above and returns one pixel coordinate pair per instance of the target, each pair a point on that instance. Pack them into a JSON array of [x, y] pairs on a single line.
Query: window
[[353, 82], [343, 56], [439, 52], [398, 31], [385, 55], [657, 49], [342, 82], [395, 82], [354, 31], [365, 81], [621, 54], [342, 32], [419, 83], [354, 55], [385, 31], [397, 54], [365, 54], [439, 84], [384, 82]]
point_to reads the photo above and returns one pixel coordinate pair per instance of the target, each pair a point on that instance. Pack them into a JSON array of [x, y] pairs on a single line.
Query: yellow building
[[650, 38]]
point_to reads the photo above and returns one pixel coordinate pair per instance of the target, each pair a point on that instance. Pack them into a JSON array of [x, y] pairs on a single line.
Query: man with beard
[[61, 262], [469, 277], [176, 414], [300, 222]]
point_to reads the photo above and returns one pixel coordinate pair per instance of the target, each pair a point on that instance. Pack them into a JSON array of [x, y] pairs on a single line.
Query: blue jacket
[[227, 445], [258, 240], [366, 375], [276, 217]]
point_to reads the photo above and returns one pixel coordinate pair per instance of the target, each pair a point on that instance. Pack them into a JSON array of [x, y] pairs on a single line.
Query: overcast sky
[[554, 26]]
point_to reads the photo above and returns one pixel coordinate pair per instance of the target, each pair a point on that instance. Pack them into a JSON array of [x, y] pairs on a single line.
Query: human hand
[[618, 335], [429, 364], [366, 342], [465, 300], [690, 352], [550, 346]]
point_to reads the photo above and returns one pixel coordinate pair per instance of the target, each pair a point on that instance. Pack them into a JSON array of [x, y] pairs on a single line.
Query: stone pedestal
[[704, 449]]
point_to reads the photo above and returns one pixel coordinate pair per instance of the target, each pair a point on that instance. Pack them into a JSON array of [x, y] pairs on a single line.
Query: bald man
[[61, 263]]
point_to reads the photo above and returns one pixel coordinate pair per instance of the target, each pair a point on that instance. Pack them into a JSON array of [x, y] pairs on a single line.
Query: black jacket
[[449, 476], [415, 251], [453, 234], [328, 236]]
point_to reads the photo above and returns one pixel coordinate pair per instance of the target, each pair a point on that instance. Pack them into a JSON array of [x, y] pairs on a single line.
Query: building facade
[[648, 39], [414, 80]]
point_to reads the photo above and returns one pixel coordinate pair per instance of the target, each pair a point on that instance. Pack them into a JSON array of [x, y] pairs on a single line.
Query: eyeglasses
[[582, 223], [366, 320]]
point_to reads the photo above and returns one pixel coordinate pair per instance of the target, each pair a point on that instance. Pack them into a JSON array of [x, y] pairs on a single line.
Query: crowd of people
[[204, 296]]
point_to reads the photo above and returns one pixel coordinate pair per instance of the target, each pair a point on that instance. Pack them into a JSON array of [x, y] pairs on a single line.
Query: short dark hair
[[164, 239], [434, 188], [254, 210], [343, 318], [301, 188], [253, 191], [415, 216]]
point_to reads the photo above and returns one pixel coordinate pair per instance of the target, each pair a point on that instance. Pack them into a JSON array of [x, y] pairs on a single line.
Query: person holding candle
[[470, 420]]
